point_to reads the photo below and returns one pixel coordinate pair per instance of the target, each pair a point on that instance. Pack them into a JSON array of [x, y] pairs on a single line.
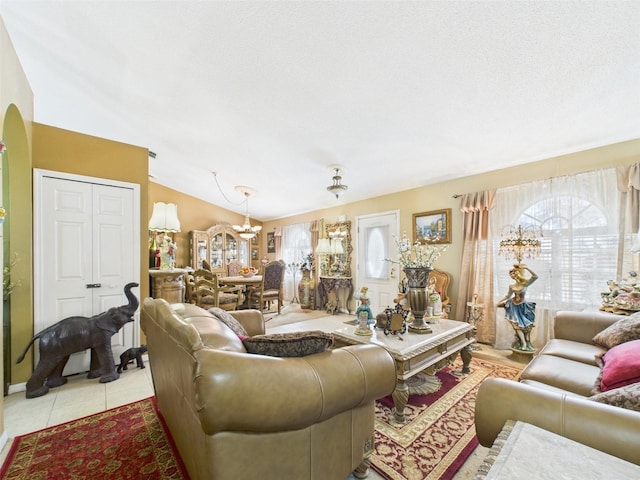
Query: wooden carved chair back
[[440, 281], [190, 288], [209, 292]]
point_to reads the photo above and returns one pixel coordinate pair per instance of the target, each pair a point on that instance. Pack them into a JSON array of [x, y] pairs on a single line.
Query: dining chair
[[439, 281], [271, 287], [190, 288], [209, 292], [233, 268]]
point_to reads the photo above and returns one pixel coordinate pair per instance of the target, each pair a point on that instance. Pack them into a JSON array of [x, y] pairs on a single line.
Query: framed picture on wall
[[271, 242], [254, 240], [432, 227], [254, 254]]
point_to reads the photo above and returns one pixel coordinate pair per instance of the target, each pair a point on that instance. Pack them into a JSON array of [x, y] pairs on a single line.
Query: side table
[[168, 284], [337, 285], [522, 450]]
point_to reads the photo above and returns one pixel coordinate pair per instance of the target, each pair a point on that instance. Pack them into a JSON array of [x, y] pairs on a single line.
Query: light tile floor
[[78, 398]]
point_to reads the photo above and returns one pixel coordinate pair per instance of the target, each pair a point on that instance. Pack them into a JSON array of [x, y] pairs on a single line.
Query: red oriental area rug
[[127, 442], [439, 434]]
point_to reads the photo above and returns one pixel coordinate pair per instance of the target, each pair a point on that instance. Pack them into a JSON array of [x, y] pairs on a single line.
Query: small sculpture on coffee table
[[364, 315]]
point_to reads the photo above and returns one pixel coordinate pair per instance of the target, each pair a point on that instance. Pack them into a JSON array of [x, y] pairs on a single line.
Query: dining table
[[241, 280]]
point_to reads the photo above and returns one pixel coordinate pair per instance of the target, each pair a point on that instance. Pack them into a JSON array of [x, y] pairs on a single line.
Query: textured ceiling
[[269, 94]]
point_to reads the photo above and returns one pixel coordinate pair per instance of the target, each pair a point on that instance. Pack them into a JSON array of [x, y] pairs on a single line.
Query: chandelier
[[519, 242], [245, 230], [337, 187]]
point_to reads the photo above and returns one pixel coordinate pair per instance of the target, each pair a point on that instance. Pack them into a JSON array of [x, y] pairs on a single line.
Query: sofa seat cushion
[[223, 299], [620, 366], [549, 388], [580, 352], [294, 344], [562, 373]]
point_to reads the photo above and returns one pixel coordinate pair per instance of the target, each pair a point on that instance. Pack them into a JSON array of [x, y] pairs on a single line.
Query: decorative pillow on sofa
[[229, 320], [619, 366], [294, 344], [625, 397], [624, 330]]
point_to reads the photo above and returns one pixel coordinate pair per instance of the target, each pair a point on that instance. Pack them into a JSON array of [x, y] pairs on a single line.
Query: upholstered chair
[[270, 289], [233, 268]]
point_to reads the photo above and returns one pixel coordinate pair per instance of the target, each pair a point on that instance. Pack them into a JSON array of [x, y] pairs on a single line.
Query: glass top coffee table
[[415, 352]]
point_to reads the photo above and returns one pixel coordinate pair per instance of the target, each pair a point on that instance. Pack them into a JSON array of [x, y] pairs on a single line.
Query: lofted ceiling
[[269, 94]]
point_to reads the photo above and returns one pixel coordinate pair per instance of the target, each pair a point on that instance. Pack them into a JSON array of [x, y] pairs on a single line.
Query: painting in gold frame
[[432, 227]]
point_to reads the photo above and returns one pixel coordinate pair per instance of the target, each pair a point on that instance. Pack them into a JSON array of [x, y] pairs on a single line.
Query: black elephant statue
[[75, 334]]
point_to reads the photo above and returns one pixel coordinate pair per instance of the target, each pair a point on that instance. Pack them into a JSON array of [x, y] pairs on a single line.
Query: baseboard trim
[[17, 387], [22, 387]]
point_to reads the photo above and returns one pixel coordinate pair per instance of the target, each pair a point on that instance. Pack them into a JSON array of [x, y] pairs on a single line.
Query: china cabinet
[[218, 245]]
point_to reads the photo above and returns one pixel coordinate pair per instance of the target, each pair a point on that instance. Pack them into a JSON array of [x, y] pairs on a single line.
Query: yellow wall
[[440, 196], [71, 152], [194, 214], [16, 117]]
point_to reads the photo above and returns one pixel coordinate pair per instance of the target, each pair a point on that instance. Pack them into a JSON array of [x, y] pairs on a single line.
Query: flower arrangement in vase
[[416, 260]]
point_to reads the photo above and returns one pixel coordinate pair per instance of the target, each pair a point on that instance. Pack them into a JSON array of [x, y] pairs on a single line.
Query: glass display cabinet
[[218, 245]]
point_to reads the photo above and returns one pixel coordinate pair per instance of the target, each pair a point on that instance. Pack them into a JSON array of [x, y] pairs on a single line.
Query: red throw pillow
[[621, 366]]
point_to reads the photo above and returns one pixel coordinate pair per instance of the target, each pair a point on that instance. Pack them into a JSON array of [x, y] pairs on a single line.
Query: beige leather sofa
[[553, 390], [235, 415]]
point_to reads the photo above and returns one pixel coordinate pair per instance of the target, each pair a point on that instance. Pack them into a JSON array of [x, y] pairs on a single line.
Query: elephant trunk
[[133, 304]]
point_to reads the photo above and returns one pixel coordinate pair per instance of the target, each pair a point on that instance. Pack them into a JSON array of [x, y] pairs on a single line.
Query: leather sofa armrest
[[251, 320], [612, 430], [256, 393], [582, 326]]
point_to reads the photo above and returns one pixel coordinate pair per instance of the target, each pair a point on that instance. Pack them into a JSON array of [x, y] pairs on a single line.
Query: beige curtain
[[277, 235], [629, 239], [476, 272]]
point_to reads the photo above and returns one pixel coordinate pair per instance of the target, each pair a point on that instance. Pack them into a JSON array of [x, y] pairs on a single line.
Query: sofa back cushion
[[212, 332], [624, 330], [169, 321], [620, 366]]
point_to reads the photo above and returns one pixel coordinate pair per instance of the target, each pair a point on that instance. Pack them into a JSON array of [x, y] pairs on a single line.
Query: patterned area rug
[[127, 442], [439, 434]]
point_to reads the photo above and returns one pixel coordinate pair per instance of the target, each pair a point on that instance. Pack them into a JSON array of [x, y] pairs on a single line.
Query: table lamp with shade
[[164, 219]]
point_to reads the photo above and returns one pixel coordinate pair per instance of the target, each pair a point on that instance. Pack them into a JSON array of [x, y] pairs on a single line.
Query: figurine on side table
[[364, 316]]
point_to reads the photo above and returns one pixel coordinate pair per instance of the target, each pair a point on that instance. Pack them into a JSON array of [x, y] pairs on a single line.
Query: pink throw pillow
[[621, 366]]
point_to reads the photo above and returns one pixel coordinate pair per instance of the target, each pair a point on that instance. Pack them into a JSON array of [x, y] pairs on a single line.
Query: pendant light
[[337, 187], [245, 230]]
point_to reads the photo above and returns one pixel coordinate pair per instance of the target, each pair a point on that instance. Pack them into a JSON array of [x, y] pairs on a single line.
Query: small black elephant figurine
[[75, 334], [130, 355]]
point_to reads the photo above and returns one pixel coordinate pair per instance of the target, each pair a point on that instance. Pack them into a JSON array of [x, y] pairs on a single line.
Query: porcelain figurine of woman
[[520, 313]]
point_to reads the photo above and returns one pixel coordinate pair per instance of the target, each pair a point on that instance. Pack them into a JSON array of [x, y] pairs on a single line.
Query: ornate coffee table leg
[[465, 354], [400, 397]]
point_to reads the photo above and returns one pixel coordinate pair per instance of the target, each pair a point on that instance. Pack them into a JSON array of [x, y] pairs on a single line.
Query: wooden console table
[[336, 284], [168, 284]]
